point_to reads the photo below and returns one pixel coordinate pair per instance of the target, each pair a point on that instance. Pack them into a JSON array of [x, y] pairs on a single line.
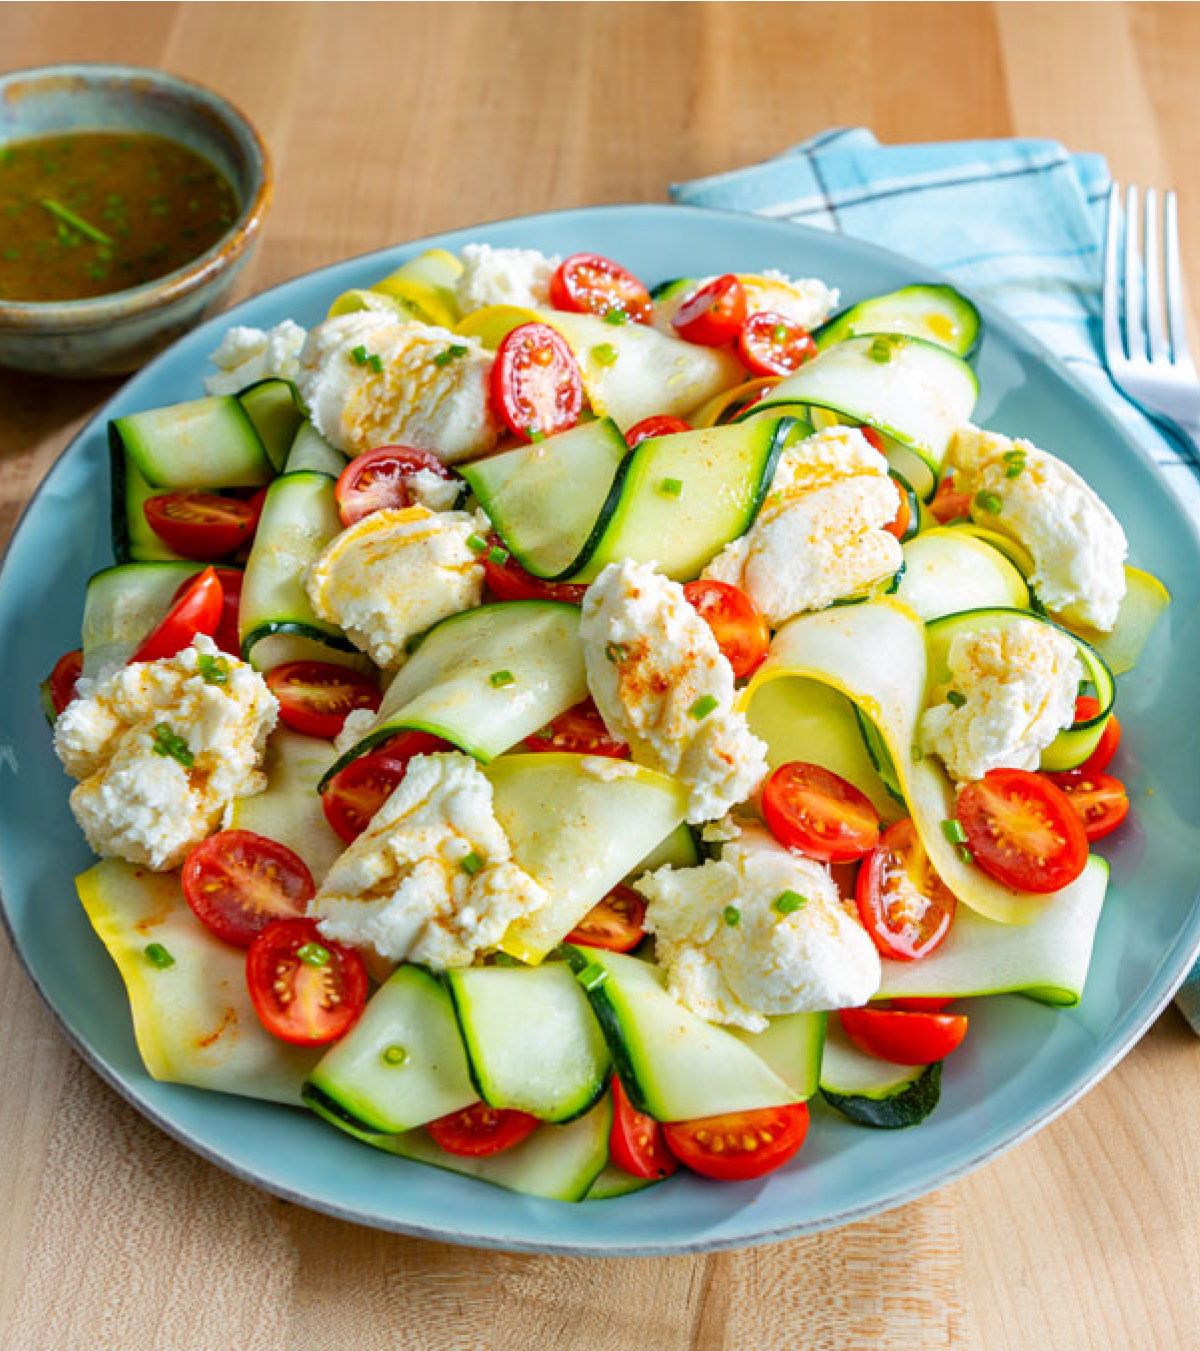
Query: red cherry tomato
[[915, 1005], [354, 794], [636, 1143], [737, 624], [508, 580], [773, 344], [580, 731], [381, 478], [1099, 800], [536, 386], [817, 812], [873, 437], [226, 636], [305, 989], [904, 1038], [614, 923], [1022, 830], [655, 426], [198, 609], [899, 523], [949, 505], [238, 882], [315, 697], [63, 679], [591, 284], [737, 1146], [480, 1130], [713, 315], [201, 525], [903, 904], [1086, 708]]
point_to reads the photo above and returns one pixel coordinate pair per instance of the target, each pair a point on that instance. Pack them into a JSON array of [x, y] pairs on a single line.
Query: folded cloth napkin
[[1034, 248]]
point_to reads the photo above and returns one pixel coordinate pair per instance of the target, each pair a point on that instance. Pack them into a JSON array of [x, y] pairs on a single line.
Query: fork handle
[[1188, 437]]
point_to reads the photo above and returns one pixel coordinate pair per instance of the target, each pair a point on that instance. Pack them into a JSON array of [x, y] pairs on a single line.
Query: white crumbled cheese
[[1015, 688], [653, 666], [723, 831], [431, 879], [139, 803], [393, 574], [504, 277], [246, 355], [359, 722], [820, 535], [1077, 544], [431, 490], [805, 300], [767, 962], [606, 768], [412, 400]]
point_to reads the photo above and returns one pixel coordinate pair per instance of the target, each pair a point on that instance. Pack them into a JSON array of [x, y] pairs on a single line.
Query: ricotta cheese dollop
[[246, 355], [505, 277]]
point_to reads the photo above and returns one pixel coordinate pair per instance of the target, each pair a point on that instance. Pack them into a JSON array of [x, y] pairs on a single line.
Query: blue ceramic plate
[[1022, 1063]]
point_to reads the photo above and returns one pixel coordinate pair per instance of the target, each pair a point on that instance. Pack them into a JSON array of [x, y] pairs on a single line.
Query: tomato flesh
[[480, 1130], [655, 426], [536, 386], [817, 812], [1087, 707], [737, 1146], [903, 904], [904, 1038], [354, 794], [589, 283], [736, 622], [713, 315], [508, 580], [637, 1143], [580, 731], [237, 883], [1022, 830], [382, 478], [201, 525], [899, 523], [198, 609], [948, 504], [1099, 800], [773, 344], [614, 923], [63, 679], [305, 989], [316, 697]]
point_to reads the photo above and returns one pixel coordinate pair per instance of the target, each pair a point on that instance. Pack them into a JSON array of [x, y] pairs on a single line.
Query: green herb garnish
[[167, 742], [395, 1055], [988, 501], [732, 916], [880, 350], [604, 353], [965, 854], [497, 555], [476, 543], [616, 652], [470, 863], [68, 217], [954, 832], [954, 699], [1014, 463], [213, 670], [452, 353], [787, 902], [534, 434], [615, 317], [592, 976], [703, 706], [358, 355], [375, 362], [498, 679], [313, 954], [673, 487], [158, 956]]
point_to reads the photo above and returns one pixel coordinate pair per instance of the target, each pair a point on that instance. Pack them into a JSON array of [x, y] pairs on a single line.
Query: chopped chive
[[616, 652], [476, 543], [497, 555], [780, 333], [880, 350], [375, 362], [988, 501], [732, 916], [673, 487], [470, 863], [703, 706], [158, 956], [965, 854], [604, 353], [359, 355], [68, 217], [452, 353], [1084, 686], [592, 976], [954, 832], [788, 901], [395, 1055], [167, 742], [954, 699], [313, 954], [498, 679], [534, 434], [213, 670], [1014, 463], [615, 317]]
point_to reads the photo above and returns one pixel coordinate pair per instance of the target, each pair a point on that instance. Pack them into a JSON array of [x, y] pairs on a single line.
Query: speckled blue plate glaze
[[1022, 1063]]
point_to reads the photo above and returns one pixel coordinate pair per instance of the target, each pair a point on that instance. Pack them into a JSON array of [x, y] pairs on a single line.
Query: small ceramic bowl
[[114, 334]]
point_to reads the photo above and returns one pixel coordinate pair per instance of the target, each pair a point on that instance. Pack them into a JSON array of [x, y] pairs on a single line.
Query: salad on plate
[[555, 730]]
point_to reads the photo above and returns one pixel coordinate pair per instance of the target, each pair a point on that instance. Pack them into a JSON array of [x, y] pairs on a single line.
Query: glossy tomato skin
[[948, 504], [713, 315], [1086, 708], [63, 679], [773, 344], [237, 883], [918, 1005], [226, 635], [736, 622], [198, 609], [508, 580], [1099, 800], [904, 1038], [1022, 830], [748, 1144], [201, 525], [589, 283], [817, 812], [662, 425], [900, 523], [480, 1130], [580, 731], [305, 989], [352, 797], [614, 923], [637, 1143], [381, 478], [536, 386], [316, 697], [903, 904]]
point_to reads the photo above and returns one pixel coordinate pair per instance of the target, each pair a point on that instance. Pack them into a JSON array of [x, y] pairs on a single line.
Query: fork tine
[[1150, 246], [1135, 329], [1114, 348], [1176, 309]]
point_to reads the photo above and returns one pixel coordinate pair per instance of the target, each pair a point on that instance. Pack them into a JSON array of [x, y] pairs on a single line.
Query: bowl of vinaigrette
[[130, 200]]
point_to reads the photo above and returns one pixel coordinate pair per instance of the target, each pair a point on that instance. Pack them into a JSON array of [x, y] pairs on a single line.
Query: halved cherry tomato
[[915, 1005], [305, 989], [903, 517], [903, 904], [655, 426], [238, 882], [354, 794], [381, 478], [948, 504], [480, 1130], [589, 283], [737, 1146], [636, 1143], [62, 680], [536, 385], [1022, 830], [1086, 708], [196, 610], [614, 923], [201, 525], [581, 731], [226, 635], [817, 812], [736, 622], [773, 344], [508, 580], [1099, 800], [713, 315], [873, 437], [315, 697], [904, 1038]]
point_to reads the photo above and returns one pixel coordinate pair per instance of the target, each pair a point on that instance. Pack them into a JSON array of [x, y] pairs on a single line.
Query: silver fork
[[1150, 366]]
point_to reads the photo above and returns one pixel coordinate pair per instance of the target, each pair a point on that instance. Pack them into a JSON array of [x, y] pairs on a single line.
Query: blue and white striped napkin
[[1034, 247]]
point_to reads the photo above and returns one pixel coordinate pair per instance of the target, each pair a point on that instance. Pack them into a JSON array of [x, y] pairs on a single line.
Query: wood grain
[[388, 122]]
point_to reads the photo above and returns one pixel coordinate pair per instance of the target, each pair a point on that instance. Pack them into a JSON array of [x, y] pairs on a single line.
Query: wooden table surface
[[391, 121]]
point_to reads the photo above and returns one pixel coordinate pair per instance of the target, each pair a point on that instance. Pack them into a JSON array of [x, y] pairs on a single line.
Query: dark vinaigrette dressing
[[89, 213]]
